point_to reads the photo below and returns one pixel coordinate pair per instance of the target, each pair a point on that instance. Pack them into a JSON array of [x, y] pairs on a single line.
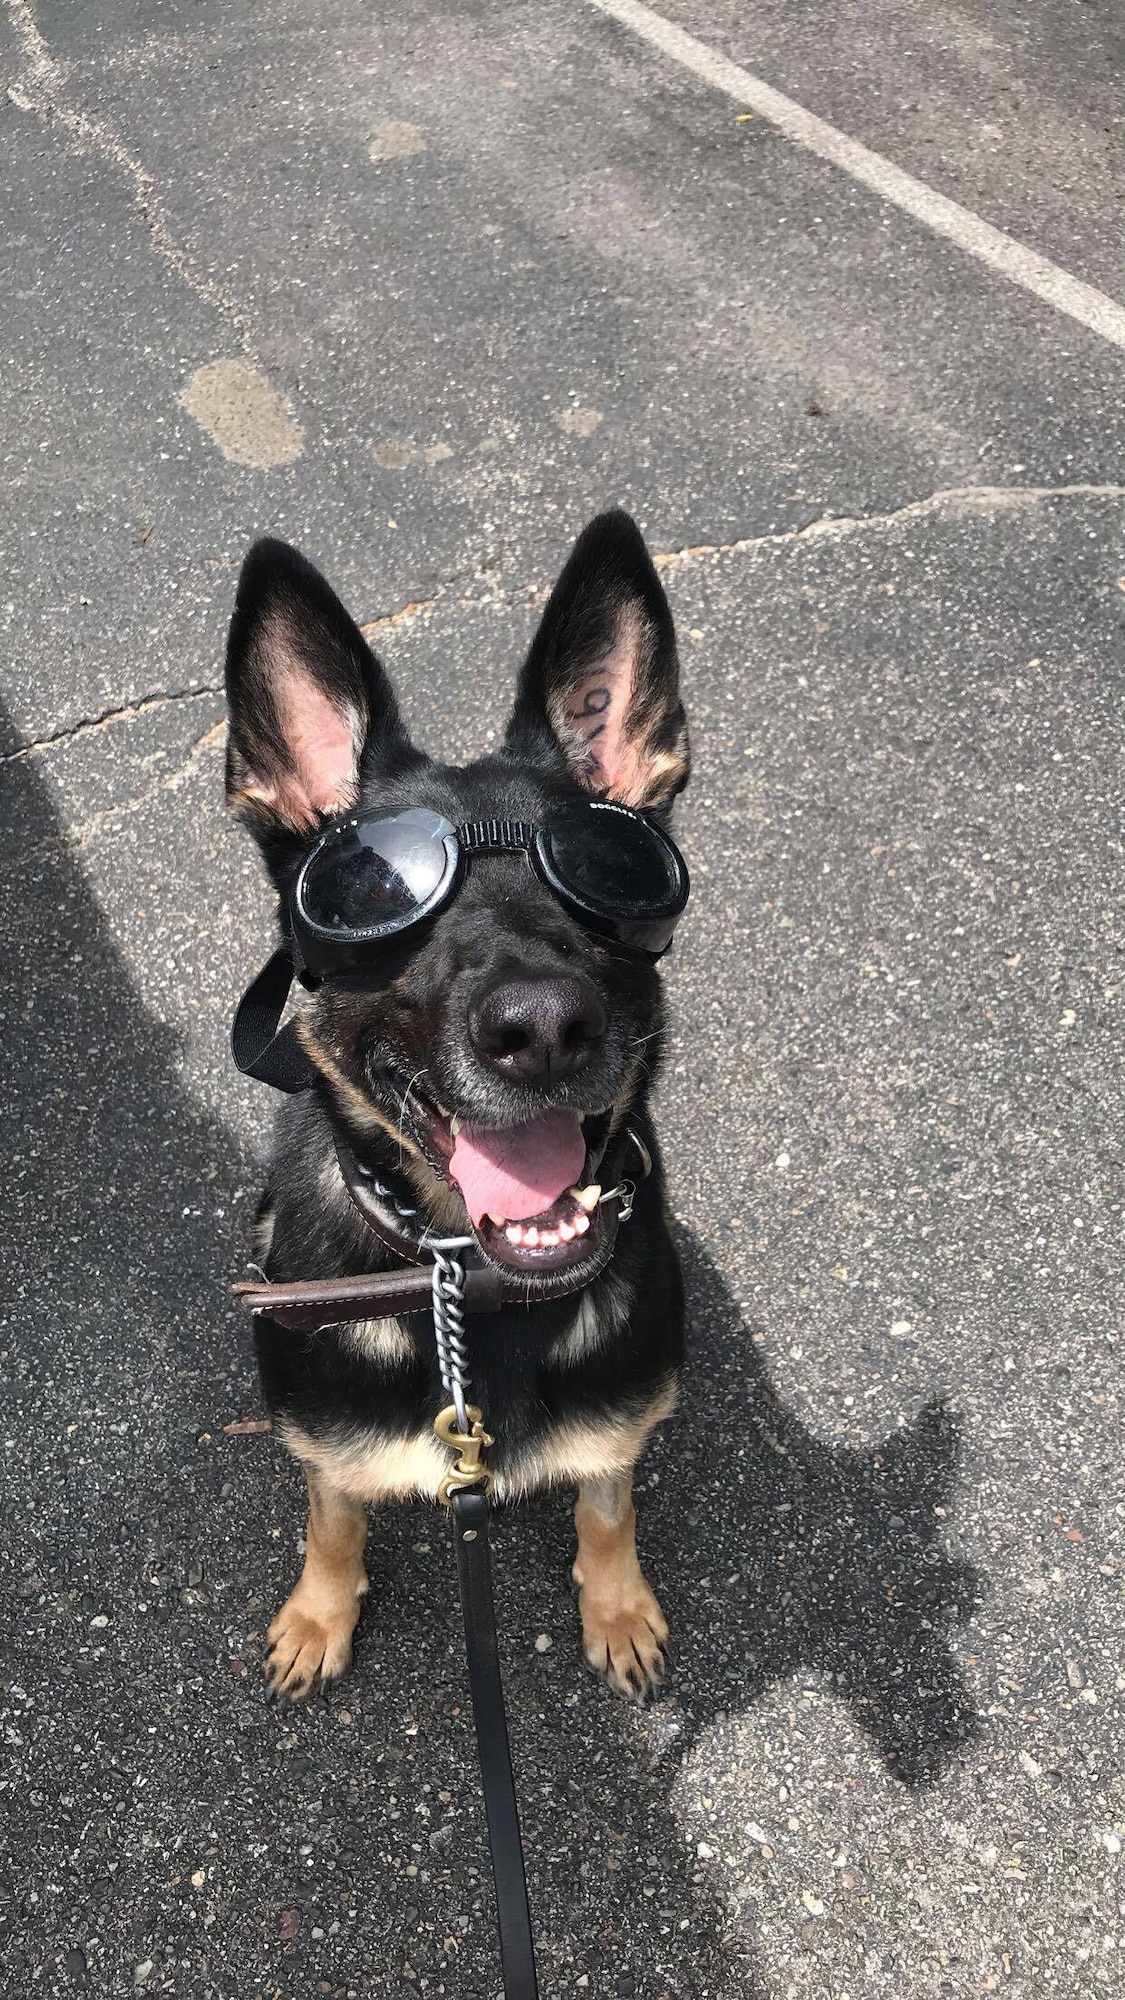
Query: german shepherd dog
[[505, 1011]]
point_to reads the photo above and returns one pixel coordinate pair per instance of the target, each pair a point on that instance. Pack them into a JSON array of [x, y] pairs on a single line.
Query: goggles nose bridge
[[497, 836]]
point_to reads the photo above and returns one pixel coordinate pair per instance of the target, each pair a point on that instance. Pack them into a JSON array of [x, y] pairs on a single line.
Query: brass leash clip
[[468, 1470]]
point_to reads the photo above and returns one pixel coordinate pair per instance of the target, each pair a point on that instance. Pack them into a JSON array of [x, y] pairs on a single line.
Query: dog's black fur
[[315, 728]]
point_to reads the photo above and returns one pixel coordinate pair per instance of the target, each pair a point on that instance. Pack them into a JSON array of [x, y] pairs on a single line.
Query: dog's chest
[[376, 1460], [372, 1466]]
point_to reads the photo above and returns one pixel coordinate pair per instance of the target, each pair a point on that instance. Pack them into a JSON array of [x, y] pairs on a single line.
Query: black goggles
[[375, 877]]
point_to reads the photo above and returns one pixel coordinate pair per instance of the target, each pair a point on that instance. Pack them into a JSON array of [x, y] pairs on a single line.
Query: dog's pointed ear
[[600, 685], [309, 702]]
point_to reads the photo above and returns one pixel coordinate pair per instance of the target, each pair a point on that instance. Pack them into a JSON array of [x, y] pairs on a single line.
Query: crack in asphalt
[[90, 725], [42, 91], [981, 501], [413, 609], [959, 501]]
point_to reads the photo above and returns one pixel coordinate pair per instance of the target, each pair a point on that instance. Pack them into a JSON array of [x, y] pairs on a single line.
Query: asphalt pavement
[[421, 290]]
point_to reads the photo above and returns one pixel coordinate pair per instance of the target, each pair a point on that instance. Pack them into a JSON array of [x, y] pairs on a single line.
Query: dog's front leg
[[623, 1627], [311, 1637]]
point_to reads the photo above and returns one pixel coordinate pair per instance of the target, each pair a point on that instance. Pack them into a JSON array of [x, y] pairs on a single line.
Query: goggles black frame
[[639, 931]]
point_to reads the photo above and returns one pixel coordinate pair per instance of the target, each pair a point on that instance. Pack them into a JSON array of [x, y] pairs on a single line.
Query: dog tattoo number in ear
[[591, 700]]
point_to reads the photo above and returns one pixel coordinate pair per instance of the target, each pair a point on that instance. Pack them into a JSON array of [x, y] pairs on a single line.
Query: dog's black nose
[[539, 1030]]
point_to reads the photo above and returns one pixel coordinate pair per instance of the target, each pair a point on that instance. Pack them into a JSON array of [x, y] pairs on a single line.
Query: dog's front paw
[[624, 1638], [309, 1641]]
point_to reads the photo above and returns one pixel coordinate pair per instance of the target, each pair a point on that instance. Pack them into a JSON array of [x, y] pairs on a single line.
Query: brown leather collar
[[309, 1304]]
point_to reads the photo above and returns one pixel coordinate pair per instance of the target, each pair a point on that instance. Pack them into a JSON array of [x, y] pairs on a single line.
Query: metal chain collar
[[461, 1424]]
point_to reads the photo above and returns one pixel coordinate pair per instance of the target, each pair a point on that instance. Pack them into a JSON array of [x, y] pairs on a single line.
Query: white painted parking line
[[1001, 253]]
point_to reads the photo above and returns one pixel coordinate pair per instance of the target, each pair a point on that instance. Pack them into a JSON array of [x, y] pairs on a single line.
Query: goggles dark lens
[[372, 876], [616, 868]]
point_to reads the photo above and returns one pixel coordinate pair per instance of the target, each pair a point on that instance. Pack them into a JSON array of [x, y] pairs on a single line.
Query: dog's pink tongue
[[518, 1170]]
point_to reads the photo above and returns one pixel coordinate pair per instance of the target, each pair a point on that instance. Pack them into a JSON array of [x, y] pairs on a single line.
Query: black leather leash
[[470, 1511]]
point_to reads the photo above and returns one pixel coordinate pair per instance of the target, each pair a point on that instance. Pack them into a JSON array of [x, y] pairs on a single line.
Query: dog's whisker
[[402, 1110], [408, 1093]]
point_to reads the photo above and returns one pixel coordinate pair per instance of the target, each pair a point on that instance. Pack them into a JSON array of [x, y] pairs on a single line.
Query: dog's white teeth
[[454, 1128], [587, 1197], [501, 1221], [528, 1236]]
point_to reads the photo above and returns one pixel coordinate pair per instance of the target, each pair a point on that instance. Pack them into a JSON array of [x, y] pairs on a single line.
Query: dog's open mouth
[[529, 1189]]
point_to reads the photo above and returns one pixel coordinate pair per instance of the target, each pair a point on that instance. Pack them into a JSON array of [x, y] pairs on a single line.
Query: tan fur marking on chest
[[375, 1469], [576, 1452], [593, 1323], [383, 1340]]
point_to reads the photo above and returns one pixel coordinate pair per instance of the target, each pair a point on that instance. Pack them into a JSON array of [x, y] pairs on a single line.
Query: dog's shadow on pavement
[[779, 1558], [823, 1560]]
